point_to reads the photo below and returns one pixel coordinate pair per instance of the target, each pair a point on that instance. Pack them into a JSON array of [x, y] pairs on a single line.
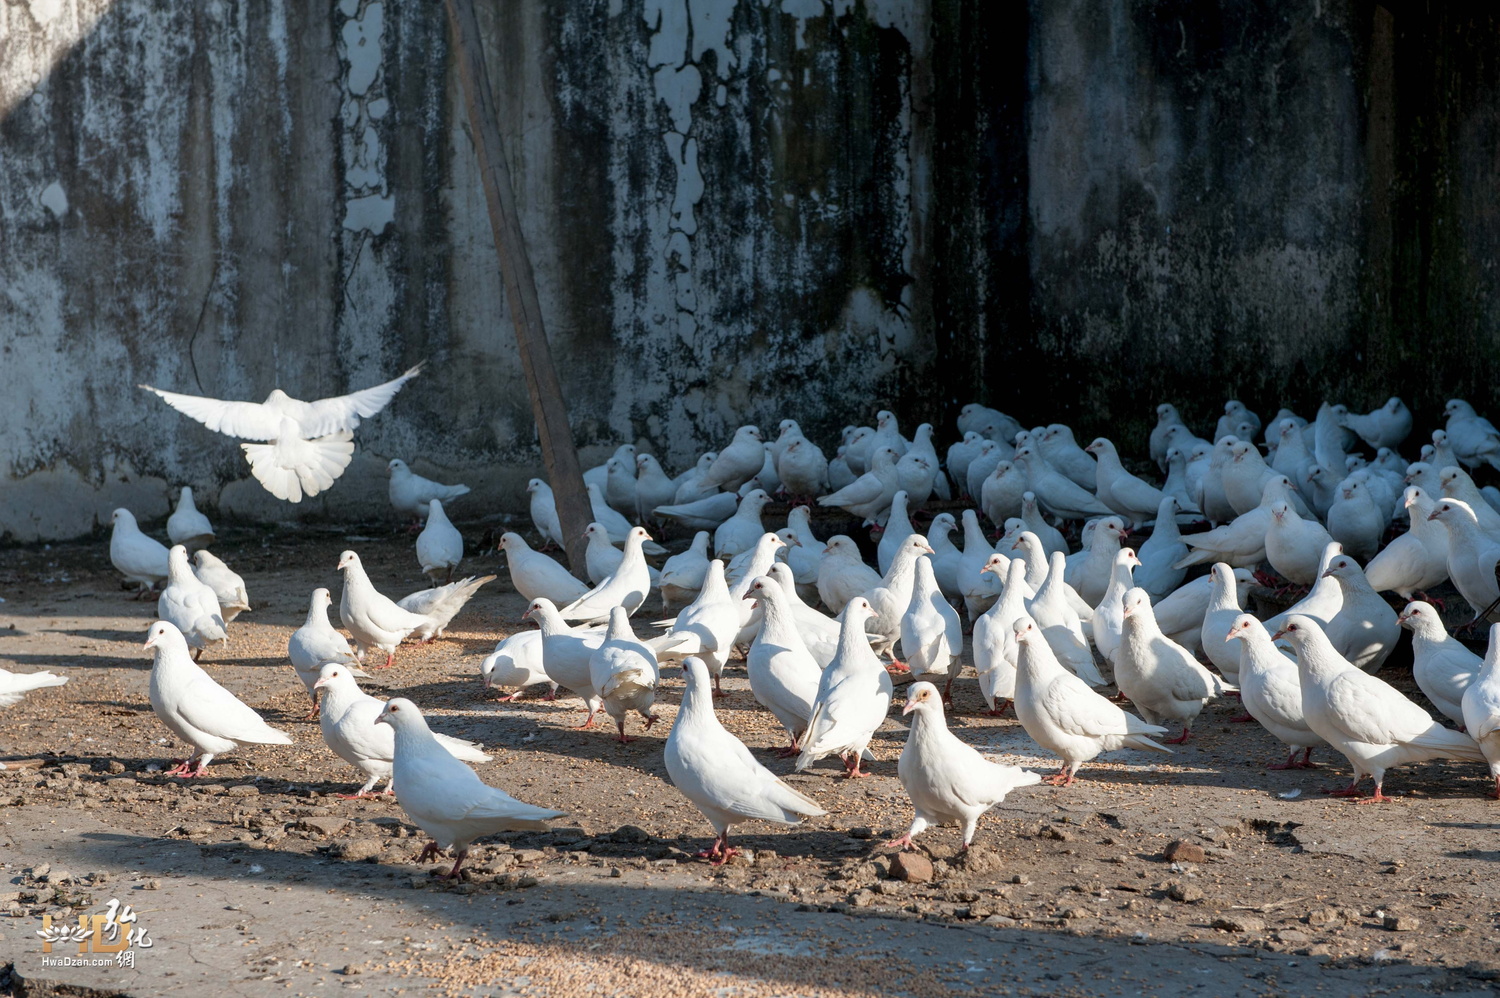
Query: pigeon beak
[[911, 705], [526, 615], [1230, 635], [320, 684], [1327, 574], [150, 643], [1433, 515], [381, 719], [1402, 617], [1278, 635]]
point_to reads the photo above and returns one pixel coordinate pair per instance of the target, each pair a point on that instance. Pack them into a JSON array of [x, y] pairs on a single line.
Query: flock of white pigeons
[[1329, 509]]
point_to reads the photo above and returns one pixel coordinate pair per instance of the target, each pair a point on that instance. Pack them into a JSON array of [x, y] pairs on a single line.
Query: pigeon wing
[[245, 420]]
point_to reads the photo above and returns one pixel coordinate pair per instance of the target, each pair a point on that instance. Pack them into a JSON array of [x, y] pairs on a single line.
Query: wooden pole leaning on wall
[[558, 453]]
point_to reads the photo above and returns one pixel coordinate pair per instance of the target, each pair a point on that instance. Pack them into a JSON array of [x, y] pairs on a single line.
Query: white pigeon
[[716, 772], [803, 552], [959, 457], [515, 664], [1235, 412], [1158, 675], [819, 632], [412, 494], [989, 455], [1209, 493], [1292, 458], [620, 485], [681, 577], [1481, 706], [888, 433], [740, 532], [1355, 521], [946, 779], [1109, 615], [890, 599], [187, 526], [566, 652], [372, 618], [602, 559], [440, 604], [700, 514], [599, 473], [1091, 576], [1061, 450], [196, 709], [843, 574], [854, 694], [544, 512], [1180, 615], [349, 729], [1242, 541], [1031, 515], [1003, 493], [802, 468], [1364, 630], [443, 796], [1057, 494], [945, 556], [709, 625], [978, 587], [932, 636], [1370, 722], [783, 673], [627, 587], [1455, 483], [1179, 483], [1166, 418], [1331, 440], [1441, 665], [1160, 552], [1417, 560], [15, 685], [440, 547], [618, 527], [1064, 716], [994, 644], [1387, 426], [623, 671], [1061, 626], [535, 574], [652, 487], [869, 496], [1244, 476], [689, 484], [190, 605], [1223, 608], [1323, 600], [1474, 438], [309, 443], [315, 644], [141, 559], [228, 587], [737, 463], [1118, 489], [982, 419], [897, 529], [1271, 691], [1294, 545], [1472, 555]]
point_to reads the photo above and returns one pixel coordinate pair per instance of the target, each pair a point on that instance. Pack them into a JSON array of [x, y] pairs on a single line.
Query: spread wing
[[246, 420], [344, 412]]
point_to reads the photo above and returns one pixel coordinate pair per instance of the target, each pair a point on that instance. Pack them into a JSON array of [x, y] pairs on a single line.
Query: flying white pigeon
[[15, 685], [198, 710], [309, 443], [1064, 716], [716, 772], [412, 494], [349, 729], [946, 779], [1369, 721], [316, 644], [444, 797], [189, 605], [187, 526], [228, 587], [854, 694], [141, 559]]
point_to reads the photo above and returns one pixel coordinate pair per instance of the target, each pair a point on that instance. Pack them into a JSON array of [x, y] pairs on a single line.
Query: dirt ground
[[257, 880]]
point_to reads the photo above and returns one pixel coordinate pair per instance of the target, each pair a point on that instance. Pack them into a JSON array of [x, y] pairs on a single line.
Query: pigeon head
[[1394, 404], [535, 484], [395, 466], [923, 697], [614, 466], [331, 674], [1416, 611], [638, 534], [917, 543], [122, 515], [1280, 510], [401, 713], [1100, 445], [1244, 428], [1288, 428], [323, 596], [1167, 413], [346, 559], [794, 445], [885, 418], [858, 608], [1024, 628], [1342, 567], [789, 426], [1127, 556], [1412, 496], [748, 433], [1351, 489], [1296, 629], [997, 564], [755, 497], [1457, 407], [1234, 407], [1175, 455], [788, 537], [163, 632], [539, 606], [1136, 602], [507, 541], [595, 530], [1240, 629], [1240, 450]]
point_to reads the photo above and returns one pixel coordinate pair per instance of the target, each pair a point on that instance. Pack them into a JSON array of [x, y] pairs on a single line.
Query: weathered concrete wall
[[737, 210]]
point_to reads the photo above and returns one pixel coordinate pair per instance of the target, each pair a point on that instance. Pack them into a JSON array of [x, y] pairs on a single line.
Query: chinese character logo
[[115, 931]]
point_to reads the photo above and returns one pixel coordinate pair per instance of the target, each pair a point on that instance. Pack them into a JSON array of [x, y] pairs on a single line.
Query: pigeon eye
[[394, 709]]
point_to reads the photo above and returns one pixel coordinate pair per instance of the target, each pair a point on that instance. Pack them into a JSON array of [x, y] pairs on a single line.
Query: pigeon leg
[[549, 696], [588, 722], [1495, 793], [390, 660], [650, 720], [428, 854], [722, 851], [1061, 778], [948, 688], [1307, 762], [1181, 739], [362, 795], [624, 739], [900, 844], [316, 710], [509, 697], [1242, 718], [1441, 606], [1352, 790], [795, 749], [718, 690], [853, 771], [179, 768], [898, 668], [453, 874], [998, 711], [1377, 797], [197, 654], [1291, 762]]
